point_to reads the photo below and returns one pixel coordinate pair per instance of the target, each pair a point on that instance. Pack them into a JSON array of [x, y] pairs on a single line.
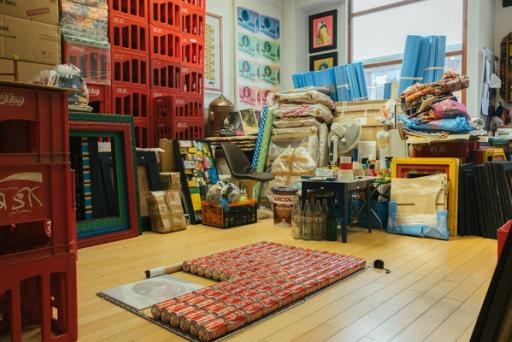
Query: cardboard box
[[43, 11], [167, 158], [27, 71], [166, 212], [363, 112], [29, 41]]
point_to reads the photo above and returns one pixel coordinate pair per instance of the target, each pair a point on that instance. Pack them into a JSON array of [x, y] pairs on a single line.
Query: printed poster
[[213, 54]]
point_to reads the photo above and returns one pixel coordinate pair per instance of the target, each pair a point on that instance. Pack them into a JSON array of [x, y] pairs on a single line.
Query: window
[[378, 30]]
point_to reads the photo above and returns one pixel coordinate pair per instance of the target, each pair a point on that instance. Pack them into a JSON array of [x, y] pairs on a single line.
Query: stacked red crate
[[129, 39], [37, 227]]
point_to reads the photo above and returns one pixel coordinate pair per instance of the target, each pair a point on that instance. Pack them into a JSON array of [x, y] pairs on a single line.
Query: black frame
[[147, 159], [313, 58], [334, 46]]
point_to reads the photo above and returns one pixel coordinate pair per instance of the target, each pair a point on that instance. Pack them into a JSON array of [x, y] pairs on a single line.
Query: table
[[342, 189]]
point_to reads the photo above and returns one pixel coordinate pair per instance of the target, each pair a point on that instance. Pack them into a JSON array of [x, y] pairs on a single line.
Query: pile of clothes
[[433, 107], [299, 139]]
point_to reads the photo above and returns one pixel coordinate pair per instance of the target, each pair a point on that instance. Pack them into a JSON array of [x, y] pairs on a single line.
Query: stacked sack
[[299, 142], [84, 26], [433, 107]]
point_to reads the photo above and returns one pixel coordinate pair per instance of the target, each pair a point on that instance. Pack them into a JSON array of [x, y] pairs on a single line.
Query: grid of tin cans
[[255, 280]]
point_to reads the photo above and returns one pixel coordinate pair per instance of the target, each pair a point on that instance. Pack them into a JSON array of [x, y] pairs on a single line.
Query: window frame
[[352, 15]]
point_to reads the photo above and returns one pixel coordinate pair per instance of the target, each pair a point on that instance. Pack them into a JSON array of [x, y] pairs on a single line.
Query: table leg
[[369, 195], [344, 207]]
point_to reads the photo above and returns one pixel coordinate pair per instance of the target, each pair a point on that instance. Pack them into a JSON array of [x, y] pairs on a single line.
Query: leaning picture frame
[[119, 130]]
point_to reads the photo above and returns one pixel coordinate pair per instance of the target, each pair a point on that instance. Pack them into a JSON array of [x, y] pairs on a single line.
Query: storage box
[[27, 71], [44, 11], [167, 158], [364, 112], [30, 41], [239, 214]]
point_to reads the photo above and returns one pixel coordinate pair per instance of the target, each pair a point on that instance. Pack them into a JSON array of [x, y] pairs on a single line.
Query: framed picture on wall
[[323, 61], [323, 31], [213, 54]]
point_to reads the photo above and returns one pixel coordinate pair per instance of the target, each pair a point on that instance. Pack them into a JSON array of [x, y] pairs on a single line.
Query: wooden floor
[[434, 292]]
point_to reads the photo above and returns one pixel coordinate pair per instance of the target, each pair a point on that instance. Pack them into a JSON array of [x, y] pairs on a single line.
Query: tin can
[[194, 266], [205, 303], [253, 311], [186, 320], [298, 291], [323, 280], [175, 316], [311, 286], [201, 268], [259, 297], [243, 282], [235, 320], [285, 297], [165, 313], [205, 291], [227, 309], [248, 294], [156, 309], [270, 304], [214, 307], [226, 275], [212, 329], [195, 324], [187, 296], [265, 288], [253, 285], [237, 301], [213, 293], [194, 300], [208, 272]]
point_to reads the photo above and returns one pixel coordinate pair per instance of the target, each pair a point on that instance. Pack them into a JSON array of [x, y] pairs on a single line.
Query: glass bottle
[[325, 214], [332, 222], [307, 229], [318, 221], [297, 218]]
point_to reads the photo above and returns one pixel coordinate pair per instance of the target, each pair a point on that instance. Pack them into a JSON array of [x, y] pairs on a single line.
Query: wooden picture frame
[[120, 130], [218, 70], [323, 31], [194, 179], [405, 167], [330, 58]]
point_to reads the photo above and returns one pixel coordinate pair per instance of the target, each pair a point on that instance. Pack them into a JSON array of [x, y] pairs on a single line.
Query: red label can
[[224, 311], [259, 297], [248, 294], [298, 291], [235, 320], [186, 320], [205, 303], [165, 313], [156, 309], [175, 316], [311, 286], [285, 297], [214, 307], [237, 301], [194, 300], [253, 311], [270, 304], [212, 329], [196, 323]]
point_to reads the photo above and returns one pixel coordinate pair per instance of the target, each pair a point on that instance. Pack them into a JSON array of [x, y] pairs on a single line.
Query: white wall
[[480, 35], [502, 27]]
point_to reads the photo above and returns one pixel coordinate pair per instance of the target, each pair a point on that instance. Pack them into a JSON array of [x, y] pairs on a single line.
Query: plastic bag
[[66, 76], [223, 193], [317, 111], [448, 109], [456, 125]]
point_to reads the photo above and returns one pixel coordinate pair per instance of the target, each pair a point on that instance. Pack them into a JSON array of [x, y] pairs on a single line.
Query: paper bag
[[166, 212]]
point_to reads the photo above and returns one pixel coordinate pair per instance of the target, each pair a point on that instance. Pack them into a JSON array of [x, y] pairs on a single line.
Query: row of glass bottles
[[316, 221]]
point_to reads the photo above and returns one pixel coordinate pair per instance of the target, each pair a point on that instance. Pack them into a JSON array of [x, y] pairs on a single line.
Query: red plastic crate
[[180, 128], [37, 218], [175, 106], [133, 10], [128, 35], [194, 4], [502, 236], [100, 98], [94, 62], [448, 149], [34, 125], [129, 69], [166, 75], [40, 293], [165, 44], [193, 52], [193, 81], [143, 133], [165, 13], [130, 101], [192, 22]]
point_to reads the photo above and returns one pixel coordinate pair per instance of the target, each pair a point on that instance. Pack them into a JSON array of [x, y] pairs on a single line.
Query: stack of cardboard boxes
[[29, 34]]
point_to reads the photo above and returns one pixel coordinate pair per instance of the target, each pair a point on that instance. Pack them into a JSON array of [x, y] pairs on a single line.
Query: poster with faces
[[258, 55]]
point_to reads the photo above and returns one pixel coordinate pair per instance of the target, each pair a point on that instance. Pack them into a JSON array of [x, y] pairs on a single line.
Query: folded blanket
[[305, 97]]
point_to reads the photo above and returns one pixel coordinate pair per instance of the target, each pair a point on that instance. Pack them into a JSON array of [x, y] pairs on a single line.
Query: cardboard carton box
[[27, 71], [43, 11], [29, 40], [167, 158]]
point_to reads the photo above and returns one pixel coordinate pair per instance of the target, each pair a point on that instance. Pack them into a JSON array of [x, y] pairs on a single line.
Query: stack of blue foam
[[424, 59], [345, 82]]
